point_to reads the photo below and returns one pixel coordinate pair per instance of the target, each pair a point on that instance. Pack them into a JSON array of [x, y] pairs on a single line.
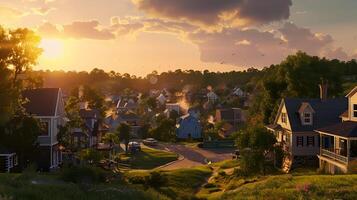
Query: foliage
[[110, 138], [255, 143], [83, 174], [155, 179], [165, 130], [90, 156], [123, 131], [299, 76]]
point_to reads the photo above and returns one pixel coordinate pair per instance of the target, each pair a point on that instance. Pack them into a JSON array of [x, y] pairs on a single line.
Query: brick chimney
[[323, 90]]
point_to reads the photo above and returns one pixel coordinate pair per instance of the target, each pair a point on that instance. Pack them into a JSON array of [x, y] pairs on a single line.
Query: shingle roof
[[344, 129], [42, 101], [327, 112]]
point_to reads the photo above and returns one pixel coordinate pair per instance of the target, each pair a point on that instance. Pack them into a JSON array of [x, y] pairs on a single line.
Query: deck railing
[[333, 155]]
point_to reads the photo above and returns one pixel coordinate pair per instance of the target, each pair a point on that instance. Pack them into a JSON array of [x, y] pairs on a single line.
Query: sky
[[139, 36]]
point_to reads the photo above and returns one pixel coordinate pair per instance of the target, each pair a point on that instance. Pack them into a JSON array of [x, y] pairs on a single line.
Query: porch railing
[[333, 155]]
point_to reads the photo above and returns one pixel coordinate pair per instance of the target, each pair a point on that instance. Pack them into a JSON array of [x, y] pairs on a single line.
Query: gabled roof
[[327, 112], [304, 106], [353, 91], [42, 101], [344, 129]]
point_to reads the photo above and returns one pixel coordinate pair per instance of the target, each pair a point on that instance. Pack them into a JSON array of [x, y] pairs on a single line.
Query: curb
[[180, 158]]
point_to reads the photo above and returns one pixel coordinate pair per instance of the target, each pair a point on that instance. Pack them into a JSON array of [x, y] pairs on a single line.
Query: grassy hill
[[218, 181]]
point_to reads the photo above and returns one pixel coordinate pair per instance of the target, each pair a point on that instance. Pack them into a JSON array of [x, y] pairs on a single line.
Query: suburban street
[[193, 156]]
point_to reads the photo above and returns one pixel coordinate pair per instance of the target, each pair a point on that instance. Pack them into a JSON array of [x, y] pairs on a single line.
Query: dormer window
[[307, 118]]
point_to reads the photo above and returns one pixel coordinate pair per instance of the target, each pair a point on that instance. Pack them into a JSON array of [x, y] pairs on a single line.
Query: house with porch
[[46, 104], [297, 122], [338, 152]]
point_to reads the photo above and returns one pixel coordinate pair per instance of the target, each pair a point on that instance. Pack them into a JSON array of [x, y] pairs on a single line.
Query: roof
[[42, 101], [327, 112], [84, 113], [129, 116], [344, 129], [344, 114], [353, 91]]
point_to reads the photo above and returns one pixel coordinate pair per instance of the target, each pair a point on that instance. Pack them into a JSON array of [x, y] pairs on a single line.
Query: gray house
[[296, 126], [189, 126], [46, 104]]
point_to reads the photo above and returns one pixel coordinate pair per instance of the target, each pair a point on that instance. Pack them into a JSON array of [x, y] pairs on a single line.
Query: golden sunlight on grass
[[52, 48]]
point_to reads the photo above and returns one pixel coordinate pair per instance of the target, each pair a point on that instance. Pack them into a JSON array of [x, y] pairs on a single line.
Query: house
[[8, 160], [296, 123], [46, 104], [232, 117], [338, 152], [189, 126], [124, 117], [161, 99], [212, 97], [89, 135], [238, 92], [170, 107], [125, 105]]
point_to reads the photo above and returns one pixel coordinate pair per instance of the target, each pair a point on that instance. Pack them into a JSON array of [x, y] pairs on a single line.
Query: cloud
[[256, 48], [249, 47], [77, 30], [213, 12], [44, 10], [303, 39], [87, 29], [7, 13]]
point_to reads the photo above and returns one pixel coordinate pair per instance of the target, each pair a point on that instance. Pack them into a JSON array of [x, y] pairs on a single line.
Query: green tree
[[19, 51], [111, 139], [123, 131], [255, 143]]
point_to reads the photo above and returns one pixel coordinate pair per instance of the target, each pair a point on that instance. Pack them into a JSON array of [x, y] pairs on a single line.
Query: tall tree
[[123, 131]]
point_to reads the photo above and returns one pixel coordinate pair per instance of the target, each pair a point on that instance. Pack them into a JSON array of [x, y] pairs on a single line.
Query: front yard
[[148, 158]]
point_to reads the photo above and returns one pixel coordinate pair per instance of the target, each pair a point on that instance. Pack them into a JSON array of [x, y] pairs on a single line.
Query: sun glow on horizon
[[52, 48]]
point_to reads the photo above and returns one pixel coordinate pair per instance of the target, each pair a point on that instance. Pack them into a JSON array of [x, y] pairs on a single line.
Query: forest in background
[[297, 76]]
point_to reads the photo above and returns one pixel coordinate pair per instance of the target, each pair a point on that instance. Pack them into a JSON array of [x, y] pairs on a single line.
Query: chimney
[[323, 90]]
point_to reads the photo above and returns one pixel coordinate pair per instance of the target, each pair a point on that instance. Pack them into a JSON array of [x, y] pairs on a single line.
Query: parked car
[[134, 146], [150, 142]]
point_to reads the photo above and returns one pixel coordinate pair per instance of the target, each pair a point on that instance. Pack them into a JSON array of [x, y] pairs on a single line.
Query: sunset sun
[[52, 48]]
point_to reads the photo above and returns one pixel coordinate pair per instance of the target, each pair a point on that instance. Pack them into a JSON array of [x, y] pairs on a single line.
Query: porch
[[337, 148]]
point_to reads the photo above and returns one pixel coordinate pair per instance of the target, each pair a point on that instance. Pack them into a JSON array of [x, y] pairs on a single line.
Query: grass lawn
[[181, 183], [148, 158], [296, 187], [23, 187]]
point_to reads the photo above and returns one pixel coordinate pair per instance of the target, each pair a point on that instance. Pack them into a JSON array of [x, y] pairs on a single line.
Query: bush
[[137, 179], [155, 179], [83, 174]]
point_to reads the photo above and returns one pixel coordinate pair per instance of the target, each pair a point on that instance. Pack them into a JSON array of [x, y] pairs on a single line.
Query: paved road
[[194, 156]]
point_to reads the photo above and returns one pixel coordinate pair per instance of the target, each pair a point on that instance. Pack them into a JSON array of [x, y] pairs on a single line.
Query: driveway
[[194, 156]]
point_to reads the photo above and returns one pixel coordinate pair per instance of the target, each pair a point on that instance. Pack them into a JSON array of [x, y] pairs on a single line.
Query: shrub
[[83, 174], [155, 179], [137, 179]]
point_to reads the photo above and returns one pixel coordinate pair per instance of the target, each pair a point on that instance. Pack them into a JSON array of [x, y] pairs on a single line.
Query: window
[[283, 117], [44, 128], [299, 141], [307, 118], [310, 141], [354, 110]]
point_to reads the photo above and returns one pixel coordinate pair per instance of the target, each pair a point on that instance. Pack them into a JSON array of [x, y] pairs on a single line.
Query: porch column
[[348, 148]]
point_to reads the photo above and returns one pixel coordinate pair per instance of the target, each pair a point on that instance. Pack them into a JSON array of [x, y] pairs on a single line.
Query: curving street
[[194, 156]]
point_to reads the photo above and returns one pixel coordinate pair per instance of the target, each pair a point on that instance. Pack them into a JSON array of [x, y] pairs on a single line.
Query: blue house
[[189, 127]]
